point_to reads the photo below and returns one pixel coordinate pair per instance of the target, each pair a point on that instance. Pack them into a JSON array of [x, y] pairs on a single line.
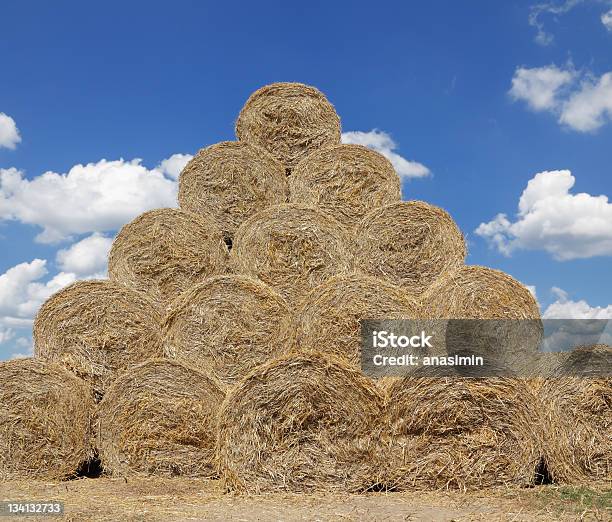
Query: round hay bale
[[164, 252], [292, 248], [289, 120], [346, 181], [329, 318], [231, 181], [96, 329], [301, 423], [578, 424], [460, 432], [159, 418], [45, 421], [410, 244], [227, 325]]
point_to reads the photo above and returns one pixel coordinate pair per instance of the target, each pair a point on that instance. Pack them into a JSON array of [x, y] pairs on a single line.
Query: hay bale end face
[[97, 329], [460, 433], [345, 181], [227, 325], [159, 418], [289, 120], [164, 252], [410, 244], [45, 421], [292, 248], [231, 181], [302, 423]]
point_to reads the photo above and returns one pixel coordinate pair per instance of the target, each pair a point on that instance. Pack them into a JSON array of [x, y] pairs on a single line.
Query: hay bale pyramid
[[226, 341]]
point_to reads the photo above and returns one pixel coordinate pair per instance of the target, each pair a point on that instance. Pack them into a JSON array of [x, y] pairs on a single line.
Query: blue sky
[[486, 95]]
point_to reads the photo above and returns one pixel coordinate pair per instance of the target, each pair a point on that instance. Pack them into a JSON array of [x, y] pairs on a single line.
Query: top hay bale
[[345, 181], [45, 412], [231, 181], [165, 251], [410, 244], [289, 120]]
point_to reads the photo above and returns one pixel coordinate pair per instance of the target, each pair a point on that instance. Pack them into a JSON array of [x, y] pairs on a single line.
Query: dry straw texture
[[227, 325], [460, 432], [301, 423], [159, 418], [289, 120], [292, 248], [328, 320], [345, 181], [410, 244], [578, 423], [45, 421], [96, 329], [231, 181], [164, 252]]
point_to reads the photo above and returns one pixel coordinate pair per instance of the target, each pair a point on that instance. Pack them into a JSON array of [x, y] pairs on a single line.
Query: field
[[178, 499]]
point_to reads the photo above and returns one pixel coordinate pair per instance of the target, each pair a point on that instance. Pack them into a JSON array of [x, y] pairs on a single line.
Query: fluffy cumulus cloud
[[87, 257], [551, 218], [606, 19], [539, 87], [9, 133], [590, 106], [381, 142], [565, 308], [173, 165]]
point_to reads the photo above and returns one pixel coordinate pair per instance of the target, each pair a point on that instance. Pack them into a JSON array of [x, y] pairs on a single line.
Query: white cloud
[[96, 197], [6, 334], [606, 19], [550, 218], [25, 347], [589, 107], [532, 291], [552, 8], [9, 133], [539, 87], [381, 142], [565, 308], [88, 256], [173, 165]]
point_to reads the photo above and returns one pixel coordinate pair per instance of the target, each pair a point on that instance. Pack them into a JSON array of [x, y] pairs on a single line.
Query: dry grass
[[410, 244], [227, 326], [289, 120], [345, 181], [97, 329], [45, 420], [301, 423], [164, 252], [292, 248], [231, 181], [159, 418]]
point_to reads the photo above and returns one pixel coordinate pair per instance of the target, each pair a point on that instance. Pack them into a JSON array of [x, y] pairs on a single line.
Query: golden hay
[[578, 424], [159, 418], [328, 319], [96, 329], [345, 181], [301, 423], [165, 251], [410, 244], [45, 421], [460, 432], [231, 181], [227, 325], [289, 120], [292, 248]]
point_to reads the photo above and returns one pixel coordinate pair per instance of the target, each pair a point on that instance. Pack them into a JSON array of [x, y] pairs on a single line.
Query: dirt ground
[[147, 499]]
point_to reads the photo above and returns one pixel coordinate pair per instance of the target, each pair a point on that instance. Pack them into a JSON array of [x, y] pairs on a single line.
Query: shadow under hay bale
[[164, 252], [231, 181], [302, 423], [97, 329], [289, 120], [227, 326], [328, 320], [409, 244], [159, 418], [578, 423], [45, 421], [292, 248], [346, 181], [460, 432]]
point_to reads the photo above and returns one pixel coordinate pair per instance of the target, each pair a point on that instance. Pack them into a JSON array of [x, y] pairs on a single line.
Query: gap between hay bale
[[45, 421], [159, 418]]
